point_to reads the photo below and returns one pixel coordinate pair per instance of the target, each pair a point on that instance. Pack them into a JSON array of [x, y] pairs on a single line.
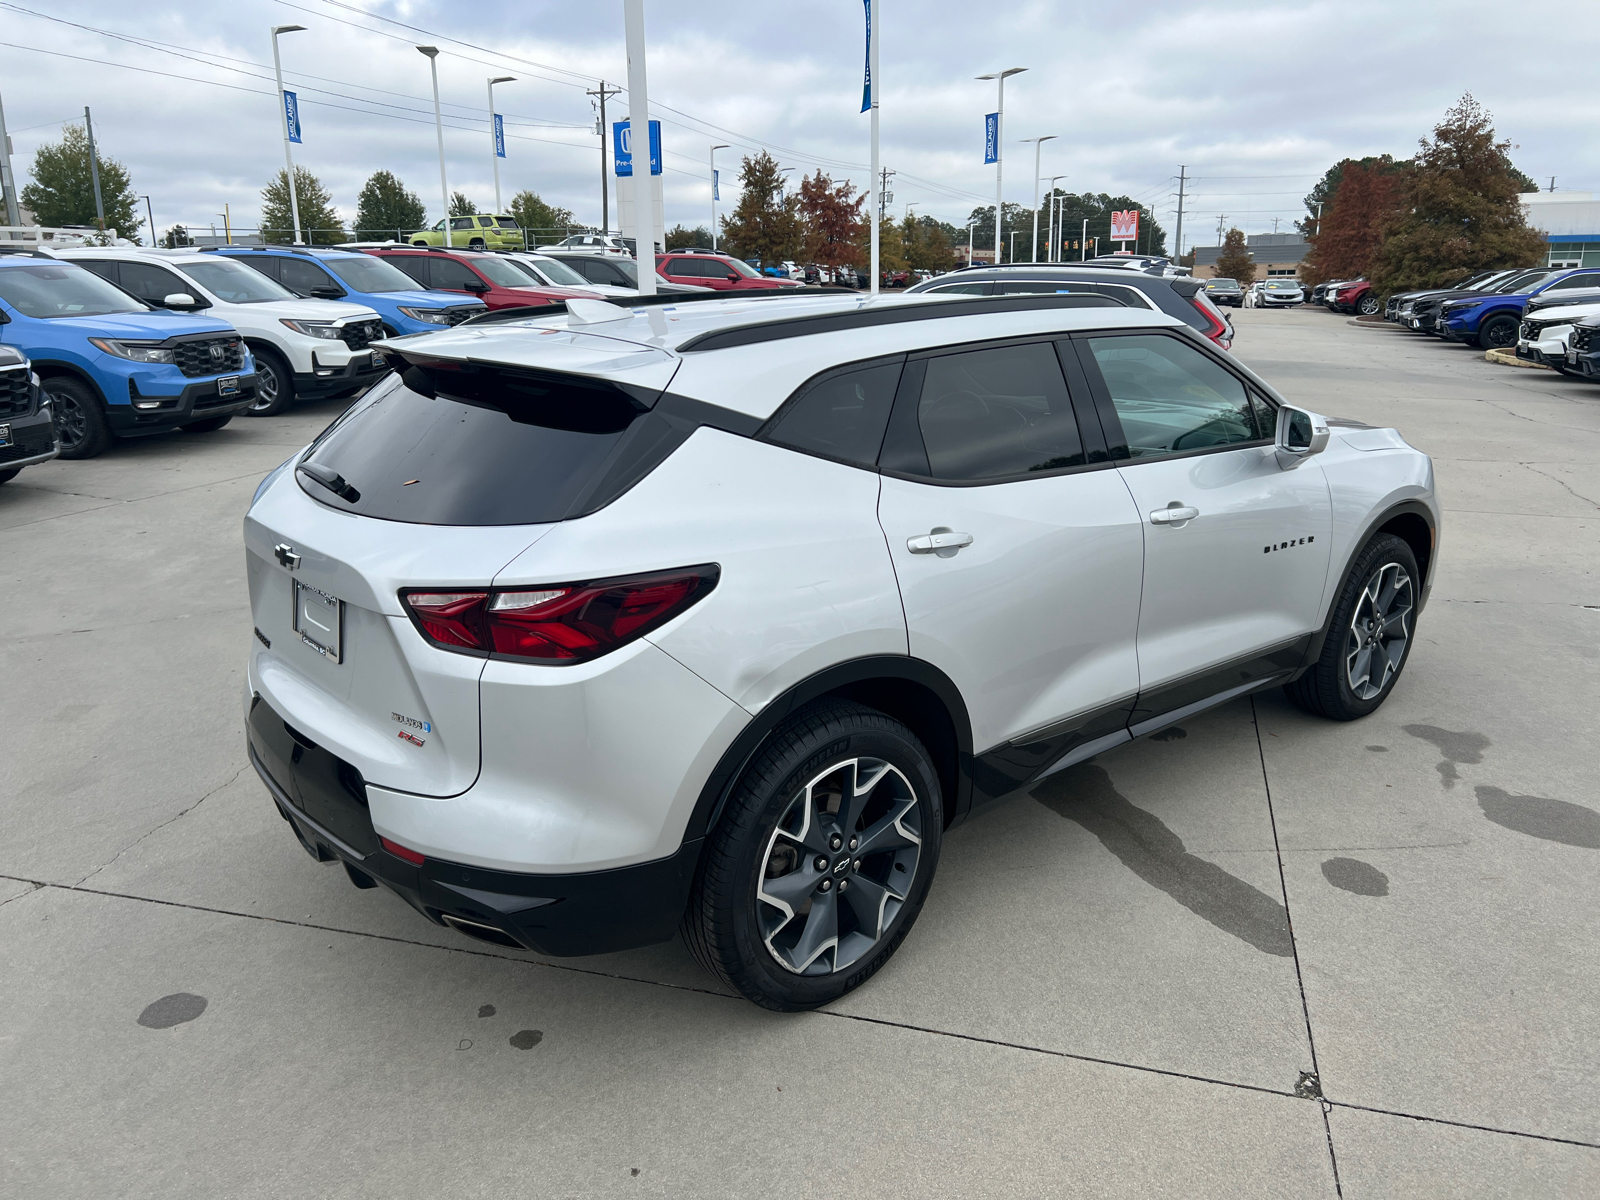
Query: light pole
[[644, 223], [432, 53], [872, 14], [1037, 143], [1055, 222], [714, 149], [283, 119], [494, 142], [999, 153], [970, 225], [150, 212]]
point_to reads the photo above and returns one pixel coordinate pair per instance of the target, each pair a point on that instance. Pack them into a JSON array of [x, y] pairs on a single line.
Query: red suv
[[718, 271], [496, 281]]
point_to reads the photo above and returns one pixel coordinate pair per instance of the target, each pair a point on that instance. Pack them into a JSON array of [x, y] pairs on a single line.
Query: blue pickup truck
[[111, 366]]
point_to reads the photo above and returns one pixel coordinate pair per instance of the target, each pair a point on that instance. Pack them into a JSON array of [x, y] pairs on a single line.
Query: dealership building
[[1570, 222], [1276, 255]]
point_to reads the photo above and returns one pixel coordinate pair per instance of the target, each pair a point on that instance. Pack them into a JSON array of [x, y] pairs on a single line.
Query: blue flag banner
[[622, 148], [291, 115], [716, 185], [499, 137], [991, 138], [866, 86]]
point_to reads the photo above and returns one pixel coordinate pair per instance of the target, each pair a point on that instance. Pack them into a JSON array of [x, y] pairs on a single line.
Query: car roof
[[302, 251], [749, 354]]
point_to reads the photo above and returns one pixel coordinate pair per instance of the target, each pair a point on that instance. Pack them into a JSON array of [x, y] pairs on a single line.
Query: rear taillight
[[558, 623], [1217, 328]]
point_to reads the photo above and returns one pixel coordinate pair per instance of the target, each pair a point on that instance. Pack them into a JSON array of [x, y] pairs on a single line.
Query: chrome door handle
[[940, 540], [1173, 514]]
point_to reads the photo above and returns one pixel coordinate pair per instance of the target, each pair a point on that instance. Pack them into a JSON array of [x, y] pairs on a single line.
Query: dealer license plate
[[379, 360], [228, 385], [1572, 359], [319, 620], [5, 435]]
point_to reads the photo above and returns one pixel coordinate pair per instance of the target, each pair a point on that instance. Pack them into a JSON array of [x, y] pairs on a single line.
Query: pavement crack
[[31, 890], [181, 813], [1557, 479]]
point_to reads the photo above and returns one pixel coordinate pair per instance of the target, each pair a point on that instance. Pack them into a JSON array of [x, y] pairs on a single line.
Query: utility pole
[[1183, 178], [885, 196], [605, 131], [283, 119], [1552, 183], [1083, 243], [152, 215], [94, 171], [8, 182], [644, 221], [1221, 217]]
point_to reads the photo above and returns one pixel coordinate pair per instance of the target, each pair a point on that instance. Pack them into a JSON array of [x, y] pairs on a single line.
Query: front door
[[1018, 561], [1236, 548]]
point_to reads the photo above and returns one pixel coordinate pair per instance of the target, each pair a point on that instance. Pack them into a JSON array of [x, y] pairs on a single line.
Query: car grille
[[209, 356], [1581, 335], [358, 335], [16, 392], [1528, 330], [40, 442], [457, 315]]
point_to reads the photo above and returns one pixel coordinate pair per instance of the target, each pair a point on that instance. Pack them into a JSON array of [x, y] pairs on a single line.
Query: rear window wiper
[[329, 479]]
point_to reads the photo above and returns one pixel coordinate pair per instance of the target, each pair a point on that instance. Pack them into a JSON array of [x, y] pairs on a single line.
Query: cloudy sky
[[1255, 97]]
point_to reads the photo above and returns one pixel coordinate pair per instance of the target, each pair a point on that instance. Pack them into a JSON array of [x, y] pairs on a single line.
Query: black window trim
[[770, 425]]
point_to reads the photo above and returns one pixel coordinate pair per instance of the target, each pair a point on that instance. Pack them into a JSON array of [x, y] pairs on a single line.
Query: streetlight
[[150, 212], [999, 154], [1037, 143], [644, 222], [910, 206], [494, 142], [1054, 221], [432, 53], [714, 149], [283, 117], [970, 224]]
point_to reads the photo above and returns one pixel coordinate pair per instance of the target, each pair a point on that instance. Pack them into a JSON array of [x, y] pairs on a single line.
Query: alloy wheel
[[838, 866], [72, 424], [1380, 631], [1500, 334], [266, 387]]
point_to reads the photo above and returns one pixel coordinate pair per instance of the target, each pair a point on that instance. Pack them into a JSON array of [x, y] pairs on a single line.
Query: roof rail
[[659, 299], [29, 251], [866, 318]]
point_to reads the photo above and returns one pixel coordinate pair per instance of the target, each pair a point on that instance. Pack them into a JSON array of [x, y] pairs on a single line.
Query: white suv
[[594, 623], [304, 349]]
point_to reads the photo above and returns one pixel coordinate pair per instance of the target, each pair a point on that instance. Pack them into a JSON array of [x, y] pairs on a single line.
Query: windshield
[[234, 283], [560, 273], [502, 272], [744, 269], [1223, 285], [1283, 285], [60, 289], [1522, 281], [367, 274], [1489, 283]]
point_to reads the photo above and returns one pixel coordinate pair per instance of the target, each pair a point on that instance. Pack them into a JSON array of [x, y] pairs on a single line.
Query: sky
[[1254, 99]]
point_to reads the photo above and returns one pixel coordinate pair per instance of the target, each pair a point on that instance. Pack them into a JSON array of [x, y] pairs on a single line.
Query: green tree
[[1461, 209], [1235, 261], [536, 217], [833, 223], [62, 190], [175, 237], [891, 246], [1095, 208], [386, 209], [763, 226], [460, 206], [680, 237], [320, 222], [925, 244]]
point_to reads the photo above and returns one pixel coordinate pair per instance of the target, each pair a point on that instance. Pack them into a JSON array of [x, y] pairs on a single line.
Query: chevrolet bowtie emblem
[[285, 555]]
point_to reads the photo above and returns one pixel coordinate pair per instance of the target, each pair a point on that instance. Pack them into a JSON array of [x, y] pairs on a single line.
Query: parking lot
[[1255, 955]]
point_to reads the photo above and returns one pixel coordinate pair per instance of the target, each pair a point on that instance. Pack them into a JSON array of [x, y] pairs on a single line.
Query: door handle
[[941, 542], [1173, 514]]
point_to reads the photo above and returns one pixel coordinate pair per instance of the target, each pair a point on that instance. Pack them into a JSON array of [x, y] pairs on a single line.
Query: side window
[[681, 267], [299, 275], [987, 414], [151, 283], [1575, 282], [414, 265], [449, 274], [267, 264], [461, 223], [1170, 397], [106, 270], [841, 416], [966, 289]]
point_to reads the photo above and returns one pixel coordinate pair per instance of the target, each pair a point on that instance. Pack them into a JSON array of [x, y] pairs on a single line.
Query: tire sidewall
[[1488, 342], [270, 361], [1381, 550], [96, 428]]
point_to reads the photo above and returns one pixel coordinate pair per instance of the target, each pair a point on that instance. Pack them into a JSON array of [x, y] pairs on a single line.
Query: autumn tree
[[764, 224], [1461, 210], [1235, 261], [833, 222], [320, 222], [1354, 221], [535, 216], [387, 208], [62, 189]]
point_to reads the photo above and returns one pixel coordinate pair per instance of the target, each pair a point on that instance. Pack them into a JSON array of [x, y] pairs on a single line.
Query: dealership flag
[[866, 86], [991, 138], [291, 113]]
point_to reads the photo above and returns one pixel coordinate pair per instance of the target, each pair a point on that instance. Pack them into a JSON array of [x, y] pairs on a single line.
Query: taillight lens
[[559, 623], [1218, 327]]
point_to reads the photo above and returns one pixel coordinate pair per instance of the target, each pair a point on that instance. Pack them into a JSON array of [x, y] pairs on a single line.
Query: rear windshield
[[506, 222]]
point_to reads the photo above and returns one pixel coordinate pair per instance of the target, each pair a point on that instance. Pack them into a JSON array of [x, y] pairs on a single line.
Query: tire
[[1370, 305], [80, 418], [761, 911], [274, 384], [209, 425], [7, 474], [477, 244], [1497, 333], [1383, 582], [420, 242]]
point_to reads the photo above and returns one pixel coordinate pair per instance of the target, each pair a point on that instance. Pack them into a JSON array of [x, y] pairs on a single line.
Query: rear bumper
[[199, 401]]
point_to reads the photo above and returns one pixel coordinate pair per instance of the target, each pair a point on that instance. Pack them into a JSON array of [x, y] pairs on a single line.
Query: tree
[[175, 237], [1235, 261], [460, 206], [535, 216], [320, 222], [386, 208], [682, 238], [1353, 222], [62, 191], [833, 221], [1016, 219], [1461, 209], [1071, 213], [891, 246], [926, 245], [763, 226]]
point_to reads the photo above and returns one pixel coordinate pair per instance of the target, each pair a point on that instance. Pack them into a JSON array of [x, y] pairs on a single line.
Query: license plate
[[319, 620], [1572, 358], [228, 386], [1416, 324], [5, 435], [379, 360]]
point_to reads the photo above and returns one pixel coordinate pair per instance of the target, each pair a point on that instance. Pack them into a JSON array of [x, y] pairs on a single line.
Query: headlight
[[10, 356], [316, 329], [432, 316], [145, 352]]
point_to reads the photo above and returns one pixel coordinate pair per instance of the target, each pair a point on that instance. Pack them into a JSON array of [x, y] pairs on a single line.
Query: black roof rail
[[30, 251], [866, 318]]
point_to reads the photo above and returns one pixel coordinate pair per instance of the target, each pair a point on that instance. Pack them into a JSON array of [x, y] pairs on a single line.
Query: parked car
[[27, 433], [573, 708], [1178, 296], [1225, 291], [1543, 336], [1152, 264], [1477, 281], [1583, 349], [482, 231], [1425, 309], [358, 279], [1490, 320], [614, 271], [111, 366], [595, 243], [1282, 293], [303, 349], [718, 271], [487, 277], [1355, 297], [544, 271]]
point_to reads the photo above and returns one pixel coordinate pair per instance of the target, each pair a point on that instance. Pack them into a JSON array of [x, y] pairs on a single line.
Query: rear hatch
[[413, 489]]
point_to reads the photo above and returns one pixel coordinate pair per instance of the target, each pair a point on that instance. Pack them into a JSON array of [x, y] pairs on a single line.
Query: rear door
[[300, 275], [414, 265], [150, 282]]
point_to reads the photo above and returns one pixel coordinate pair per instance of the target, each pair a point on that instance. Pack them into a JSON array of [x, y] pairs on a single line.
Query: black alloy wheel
[[80, 419], [274, 384], [1497, 333]]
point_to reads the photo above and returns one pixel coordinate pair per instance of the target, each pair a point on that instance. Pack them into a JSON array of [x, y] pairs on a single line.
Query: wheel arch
[[913, 692], [53, 368], [1414, 523]]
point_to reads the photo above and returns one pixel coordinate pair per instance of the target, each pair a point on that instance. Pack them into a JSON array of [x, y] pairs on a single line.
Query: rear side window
[[842, 416], [299, 275], [414, 265], [988, 414], [450, 274], [1171, 398], [967, 289], [151, 283]]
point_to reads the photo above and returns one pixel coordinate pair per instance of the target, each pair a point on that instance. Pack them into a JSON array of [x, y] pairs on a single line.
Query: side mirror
[[328, 292], [182, 301], [477, 285], [1300, 435], [733, 277]]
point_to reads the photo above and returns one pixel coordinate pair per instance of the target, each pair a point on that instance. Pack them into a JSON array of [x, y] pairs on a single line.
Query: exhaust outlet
[[477, 930]]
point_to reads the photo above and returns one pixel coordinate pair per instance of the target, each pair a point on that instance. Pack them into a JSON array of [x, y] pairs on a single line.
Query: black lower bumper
[[31, 439], [328, 381], [324, 800], [197, 402]]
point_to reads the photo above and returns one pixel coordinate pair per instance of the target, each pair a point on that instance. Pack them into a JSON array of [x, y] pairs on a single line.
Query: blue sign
[[291, 115], [622, 147], [866, 86], [991, 138], [499, 137], [716, 185]]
